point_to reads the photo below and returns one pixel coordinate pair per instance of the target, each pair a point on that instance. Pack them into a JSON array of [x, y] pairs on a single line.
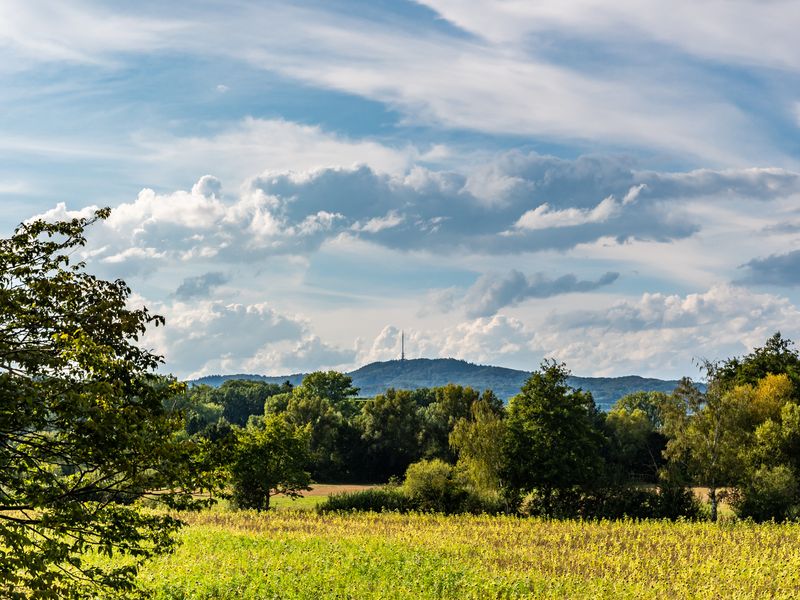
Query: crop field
[[300, 554]]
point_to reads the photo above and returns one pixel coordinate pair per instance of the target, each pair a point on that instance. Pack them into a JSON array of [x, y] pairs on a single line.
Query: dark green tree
[[324, 424], [636, 441], [198, 408], [552, 441], [777, 356], [389, 425], [84, 428], [242, 398]]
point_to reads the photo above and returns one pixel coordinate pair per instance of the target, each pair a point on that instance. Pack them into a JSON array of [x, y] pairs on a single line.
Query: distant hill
[[377, 377]]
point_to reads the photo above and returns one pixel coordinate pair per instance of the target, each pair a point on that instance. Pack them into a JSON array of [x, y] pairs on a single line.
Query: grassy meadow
[[300, 554]]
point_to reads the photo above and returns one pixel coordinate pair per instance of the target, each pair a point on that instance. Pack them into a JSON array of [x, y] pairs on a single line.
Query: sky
[[613, 185]]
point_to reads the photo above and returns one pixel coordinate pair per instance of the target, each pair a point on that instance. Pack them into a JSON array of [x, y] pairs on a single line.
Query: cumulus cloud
[[662, 333], [494, 340], [777, 269], [308, 354], [492, 292], [659, 335], [207, 337], [656, 334], [518, 203]]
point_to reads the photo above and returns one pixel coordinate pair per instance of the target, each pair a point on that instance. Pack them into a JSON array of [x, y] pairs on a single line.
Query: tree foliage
[[478, 443], [389, 424], [271, 457], [552, 440], [84, 431]]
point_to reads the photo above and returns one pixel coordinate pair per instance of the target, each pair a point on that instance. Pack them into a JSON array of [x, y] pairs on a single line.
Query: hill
[[376, 377]]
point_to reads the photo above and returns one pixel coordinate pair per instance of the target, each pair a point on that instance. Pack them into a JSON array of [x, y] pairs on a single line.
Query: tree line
[[550, 450]]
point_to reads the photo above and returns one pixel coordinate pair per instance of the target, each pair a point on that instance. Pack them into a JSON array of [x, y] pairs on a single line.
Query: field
[[310, 499], [299, 554]]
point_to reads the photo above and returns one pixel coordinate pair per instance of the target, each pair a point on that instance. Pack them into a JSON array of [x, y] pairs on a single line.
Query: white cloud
[[209, 337], [544, 217], [376, 224], [493, 340], [81, 32], [294, 212], [661, 334], [504, 80], [657, 335], [255, 146], [747, 32]]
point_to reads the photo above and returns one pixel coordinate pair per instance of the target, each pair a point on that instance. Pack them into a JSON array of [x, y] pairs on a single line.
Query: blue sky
[[613, 185]]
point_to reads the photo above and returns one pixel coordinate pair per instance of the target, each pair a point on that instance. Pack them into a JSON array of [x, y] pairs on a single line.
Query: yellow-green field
[[299, 554]]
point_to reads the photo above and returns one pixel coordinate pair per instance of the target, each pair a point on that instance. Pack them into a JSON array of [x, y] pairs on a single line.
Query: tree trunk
[[712, 497]]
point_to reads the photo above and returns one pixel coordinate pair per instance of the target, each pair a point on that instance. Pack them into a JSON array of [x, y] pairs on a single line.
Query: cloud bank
[[519, 203]]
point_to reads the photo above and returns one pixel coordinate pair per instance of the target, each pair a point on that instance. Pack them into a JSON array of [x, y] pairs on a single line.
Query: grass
[[302, 503], [318, 493], [292, 554]]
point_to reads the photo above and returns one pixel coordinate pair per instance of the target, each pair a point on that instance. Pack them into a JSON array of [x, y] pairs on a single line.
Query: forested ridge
[[411, 374]]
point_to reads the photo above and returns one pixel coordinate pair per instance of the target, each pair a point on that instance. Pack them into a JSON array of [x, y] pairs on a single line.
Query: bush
[[770, 494], [677, 502], [613, 503], [388, 499], [435, 486]]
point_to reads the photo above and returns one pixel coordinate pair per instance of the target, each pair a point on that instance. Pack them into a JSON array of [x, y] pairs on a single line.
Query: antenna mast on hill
[[402, 345]]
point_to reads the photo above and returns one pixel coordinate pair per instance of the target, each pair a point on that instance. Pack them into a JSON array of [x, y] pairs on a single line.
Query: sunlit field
[[300, 554]]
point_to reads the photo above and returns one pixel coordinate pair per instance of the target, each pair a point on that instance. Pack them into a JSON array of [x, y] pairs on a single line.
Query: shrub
[[613, 503], [677, 502], [770, 494], [435, 486], [388, 499]]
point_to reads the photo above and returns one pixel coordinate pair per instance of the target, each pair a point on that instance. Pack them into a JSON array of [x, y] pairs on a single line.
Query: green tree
[[324, 423], [706, 433], [552, 440], [636, 440], [435, 485], [271, 457], [389, 425], [777, 356], [84, 431], [650, 403], [198, 408], [452, 403], [478, 442], [242, 398], [333, 386]]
